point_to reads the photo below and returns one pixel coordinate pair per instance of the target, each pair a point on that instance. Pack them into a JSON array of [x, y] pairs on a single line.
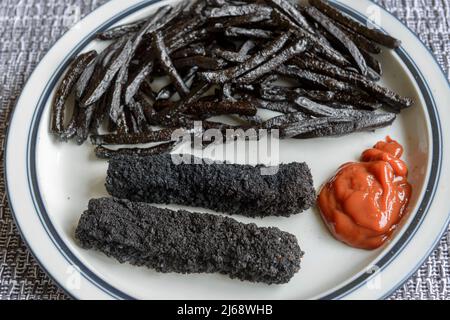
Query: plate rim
[[109, 22]]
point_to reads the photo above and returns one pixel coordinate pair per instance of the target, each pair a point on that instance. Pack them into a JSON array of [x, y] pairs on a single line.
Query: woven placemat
[[30, 27]]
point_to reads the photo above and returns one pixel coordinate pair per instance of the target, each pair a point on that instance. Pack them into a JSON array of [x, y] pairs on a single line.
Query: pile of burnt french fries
[[224, 57]]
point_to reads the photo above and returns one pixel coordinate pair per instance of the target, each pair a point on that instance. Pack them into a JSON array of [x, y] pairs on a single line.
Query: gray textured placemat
[[30, 27]]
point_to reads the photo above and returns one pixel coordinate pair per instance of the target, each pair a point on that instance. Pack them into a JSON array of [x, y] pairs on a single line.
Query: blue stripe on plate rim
[[339, 293]]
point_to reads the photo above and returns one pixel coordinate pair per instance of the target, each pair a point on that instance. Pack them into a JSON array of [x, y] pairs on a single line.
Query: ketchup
[[364, 202]]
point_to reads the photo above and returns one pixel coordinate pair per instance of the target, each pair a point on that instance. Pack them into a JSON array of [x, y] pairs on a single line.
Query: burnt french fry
[[228, 92], [187, 39], [126, 29], [290, 10], [169, 90], [185, 27], [269, 79], [327, 127], [100, 113], [278, 106], [254, 121], [163, 104], [85, 77], [84, 120], [277, 94], [122, 125], [346, 125], [105, 81], [230, 56], [373, 75], [222, 126], [326, 68], [168, 15], [248, 33], [321, 110], [303, 127], [374, 120], [369, 33], [135, 84], [71, 130], [340, 105], [133, 122], [388, 96], [194, 50], [246, 47], [361, 41], [318, 46], [201, 62], [357, 98], [120, 31], [340, 36], [255, 60], [71, 77], [274, 63], [111, 52], [193, 8], [320, 127], [380, 93], [316, 109], [167, 64], [247, 87], [117, 105], [283, 120], [171, 117], [323, 50], [213, 108], [244, 108], [372, 62], [102, 152], [236, 57], [137, 110], [233, 11], [315, 79], [147, 90], [311, 63], [182, 27], [163, 135], [246, 20], [147, 107]]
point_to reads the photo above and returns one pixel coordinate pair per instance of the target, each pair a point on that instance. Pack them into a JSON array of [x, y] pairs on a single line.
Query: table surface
[[30, 27]]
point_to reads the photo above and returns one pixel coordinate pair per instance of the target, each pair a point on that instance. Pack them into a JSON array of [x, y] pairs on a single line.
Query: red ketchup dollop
[[364, 202]]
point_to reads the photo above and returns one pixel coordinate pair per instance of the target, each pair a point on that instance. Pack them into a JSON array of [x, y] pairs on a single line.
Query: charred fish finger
[[188, 242], [159, 179]]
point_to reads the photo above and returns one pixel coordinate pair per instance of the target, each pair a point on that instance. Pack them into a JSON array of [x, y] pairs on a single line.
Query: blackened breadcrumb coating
[[186, 242], [228, 188]]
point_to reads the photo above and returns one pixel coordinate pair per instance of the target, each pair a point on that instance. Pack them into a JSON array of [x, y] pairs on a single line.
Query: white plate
[[49, 185]]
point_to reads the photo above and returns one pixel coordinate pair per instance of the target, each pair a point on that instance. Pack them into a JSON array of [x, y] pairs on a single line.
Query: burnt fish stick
[[228, 188], [187, 242]]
